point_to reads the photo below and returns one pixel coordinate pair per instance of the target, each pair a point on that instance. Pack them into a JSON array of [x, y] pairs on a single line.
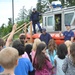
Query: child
[[28, 49], [35, 44], [22, 38], [59, 58], [41, 62], [24, 65], [8, 60], [69, 63], [4, 44], [51, 51]]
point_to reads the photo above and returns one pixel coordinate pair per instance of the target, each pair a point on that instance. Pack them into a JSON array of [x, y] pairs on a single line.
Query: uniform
[[68, 35]]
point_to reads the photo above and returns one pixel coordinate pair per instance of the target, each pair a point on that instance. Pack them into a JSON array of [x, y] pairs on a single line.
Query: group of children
[[36, 58]]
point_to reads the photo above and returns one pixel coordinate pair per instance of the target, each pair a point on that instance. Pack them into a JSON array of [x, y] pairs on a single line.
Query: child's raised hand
[[14, 27]]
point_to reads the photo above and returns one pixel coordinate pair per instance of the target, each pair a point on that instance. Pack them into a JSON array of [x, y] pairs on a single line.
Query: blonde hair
[[36, 43], [8, 57], [68, 44], [43, 42]]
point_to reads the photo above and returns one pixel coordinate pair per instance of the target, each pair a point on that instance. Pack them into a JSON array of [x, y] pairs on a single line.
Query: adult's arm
[[61, 34], [72, 38], [49, 37], [9, 39]]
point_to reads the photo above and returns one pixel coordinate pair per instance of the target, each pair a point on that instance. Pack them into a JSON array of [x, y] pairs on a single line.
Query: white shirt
[[59, 63]]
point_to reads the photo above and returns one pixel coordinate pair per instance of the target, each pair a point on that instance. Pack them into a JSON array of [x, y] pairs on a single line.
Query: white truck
[[56, 19]]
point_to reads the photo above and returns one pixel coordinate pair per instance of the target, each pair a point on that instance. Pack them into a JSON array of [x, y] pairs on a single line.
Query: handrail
[[17, 30], [31, 31], [10, 32], [21, 28]]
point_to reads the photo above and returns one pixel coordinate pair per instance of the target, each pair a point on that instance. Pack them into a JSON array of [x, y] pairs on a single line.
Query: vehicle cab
[[56, 19]]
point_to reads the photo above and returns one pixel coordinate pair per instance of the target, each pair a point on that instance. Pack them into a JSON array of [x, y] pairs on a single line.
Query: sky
[[6, 8]]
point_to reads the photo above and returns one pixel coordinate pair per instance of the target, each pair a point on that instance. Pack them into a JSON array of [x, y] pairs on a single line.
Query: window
[[45, 21], [50, 21], [68, 18]]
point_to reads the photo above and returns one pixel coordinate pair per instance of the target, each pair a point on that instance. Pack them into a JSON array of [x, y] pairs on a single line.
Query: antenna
[[65, 1]]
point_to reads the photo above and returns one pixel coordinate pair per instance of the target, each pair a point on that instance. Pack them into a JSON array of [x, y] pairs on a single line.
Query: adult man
[[45, 36], [35, 20], [68, 34]]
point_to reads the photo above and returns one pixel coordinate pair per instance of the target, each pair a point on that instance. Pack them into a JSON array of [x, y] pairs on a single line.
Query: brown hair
[[72, 52], [8, 57], [52, 45], [40, 57], [22, 38]]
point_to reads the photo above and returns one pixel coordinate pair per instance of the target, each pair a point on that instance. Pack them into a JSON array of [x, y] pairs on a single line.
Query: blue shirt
[[45, 37], [35, 17], [23, 67], [68, 35], [51, 56], [1, 69]]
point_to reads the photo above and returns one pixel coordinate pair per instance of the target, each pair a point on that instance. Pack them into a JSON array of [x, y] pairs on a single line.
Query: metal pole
[[30, 32], [13, 12]]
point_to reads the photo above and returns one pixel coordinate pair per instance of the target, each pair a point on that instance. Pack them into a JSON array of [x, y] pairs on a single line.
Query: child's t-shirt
[[46, 69], [23, 67], [25, 55], [1, 69], [59, 63], [33, 54], [51, 56], [68, 66]]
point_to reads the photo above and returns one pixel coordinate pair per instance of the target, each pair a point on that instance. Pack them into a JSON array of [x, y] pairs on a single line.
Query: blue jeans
[[34, 26]]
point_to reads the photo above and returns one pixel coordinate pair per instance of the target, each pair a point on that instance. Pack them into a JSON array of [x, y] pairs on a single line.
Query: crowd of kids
[[40, 58]]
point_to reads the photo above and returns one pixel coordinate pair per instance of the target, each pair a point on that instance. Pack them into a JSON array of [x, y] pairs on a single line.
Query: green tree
[[41, 6], [70, 2], [4, 30], [22, 15], [10, 21]]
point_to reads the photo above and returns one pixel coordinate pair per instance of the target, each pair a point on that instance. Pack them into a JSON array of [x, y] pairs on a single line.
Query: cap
[[34, 9], [43, 29], [67, 25]]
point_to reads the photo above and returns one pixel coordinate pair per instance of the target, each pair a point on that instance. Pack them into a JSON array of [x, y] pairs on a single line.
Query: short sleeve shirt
[[23, 67], [1, 69], [68, 35]]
